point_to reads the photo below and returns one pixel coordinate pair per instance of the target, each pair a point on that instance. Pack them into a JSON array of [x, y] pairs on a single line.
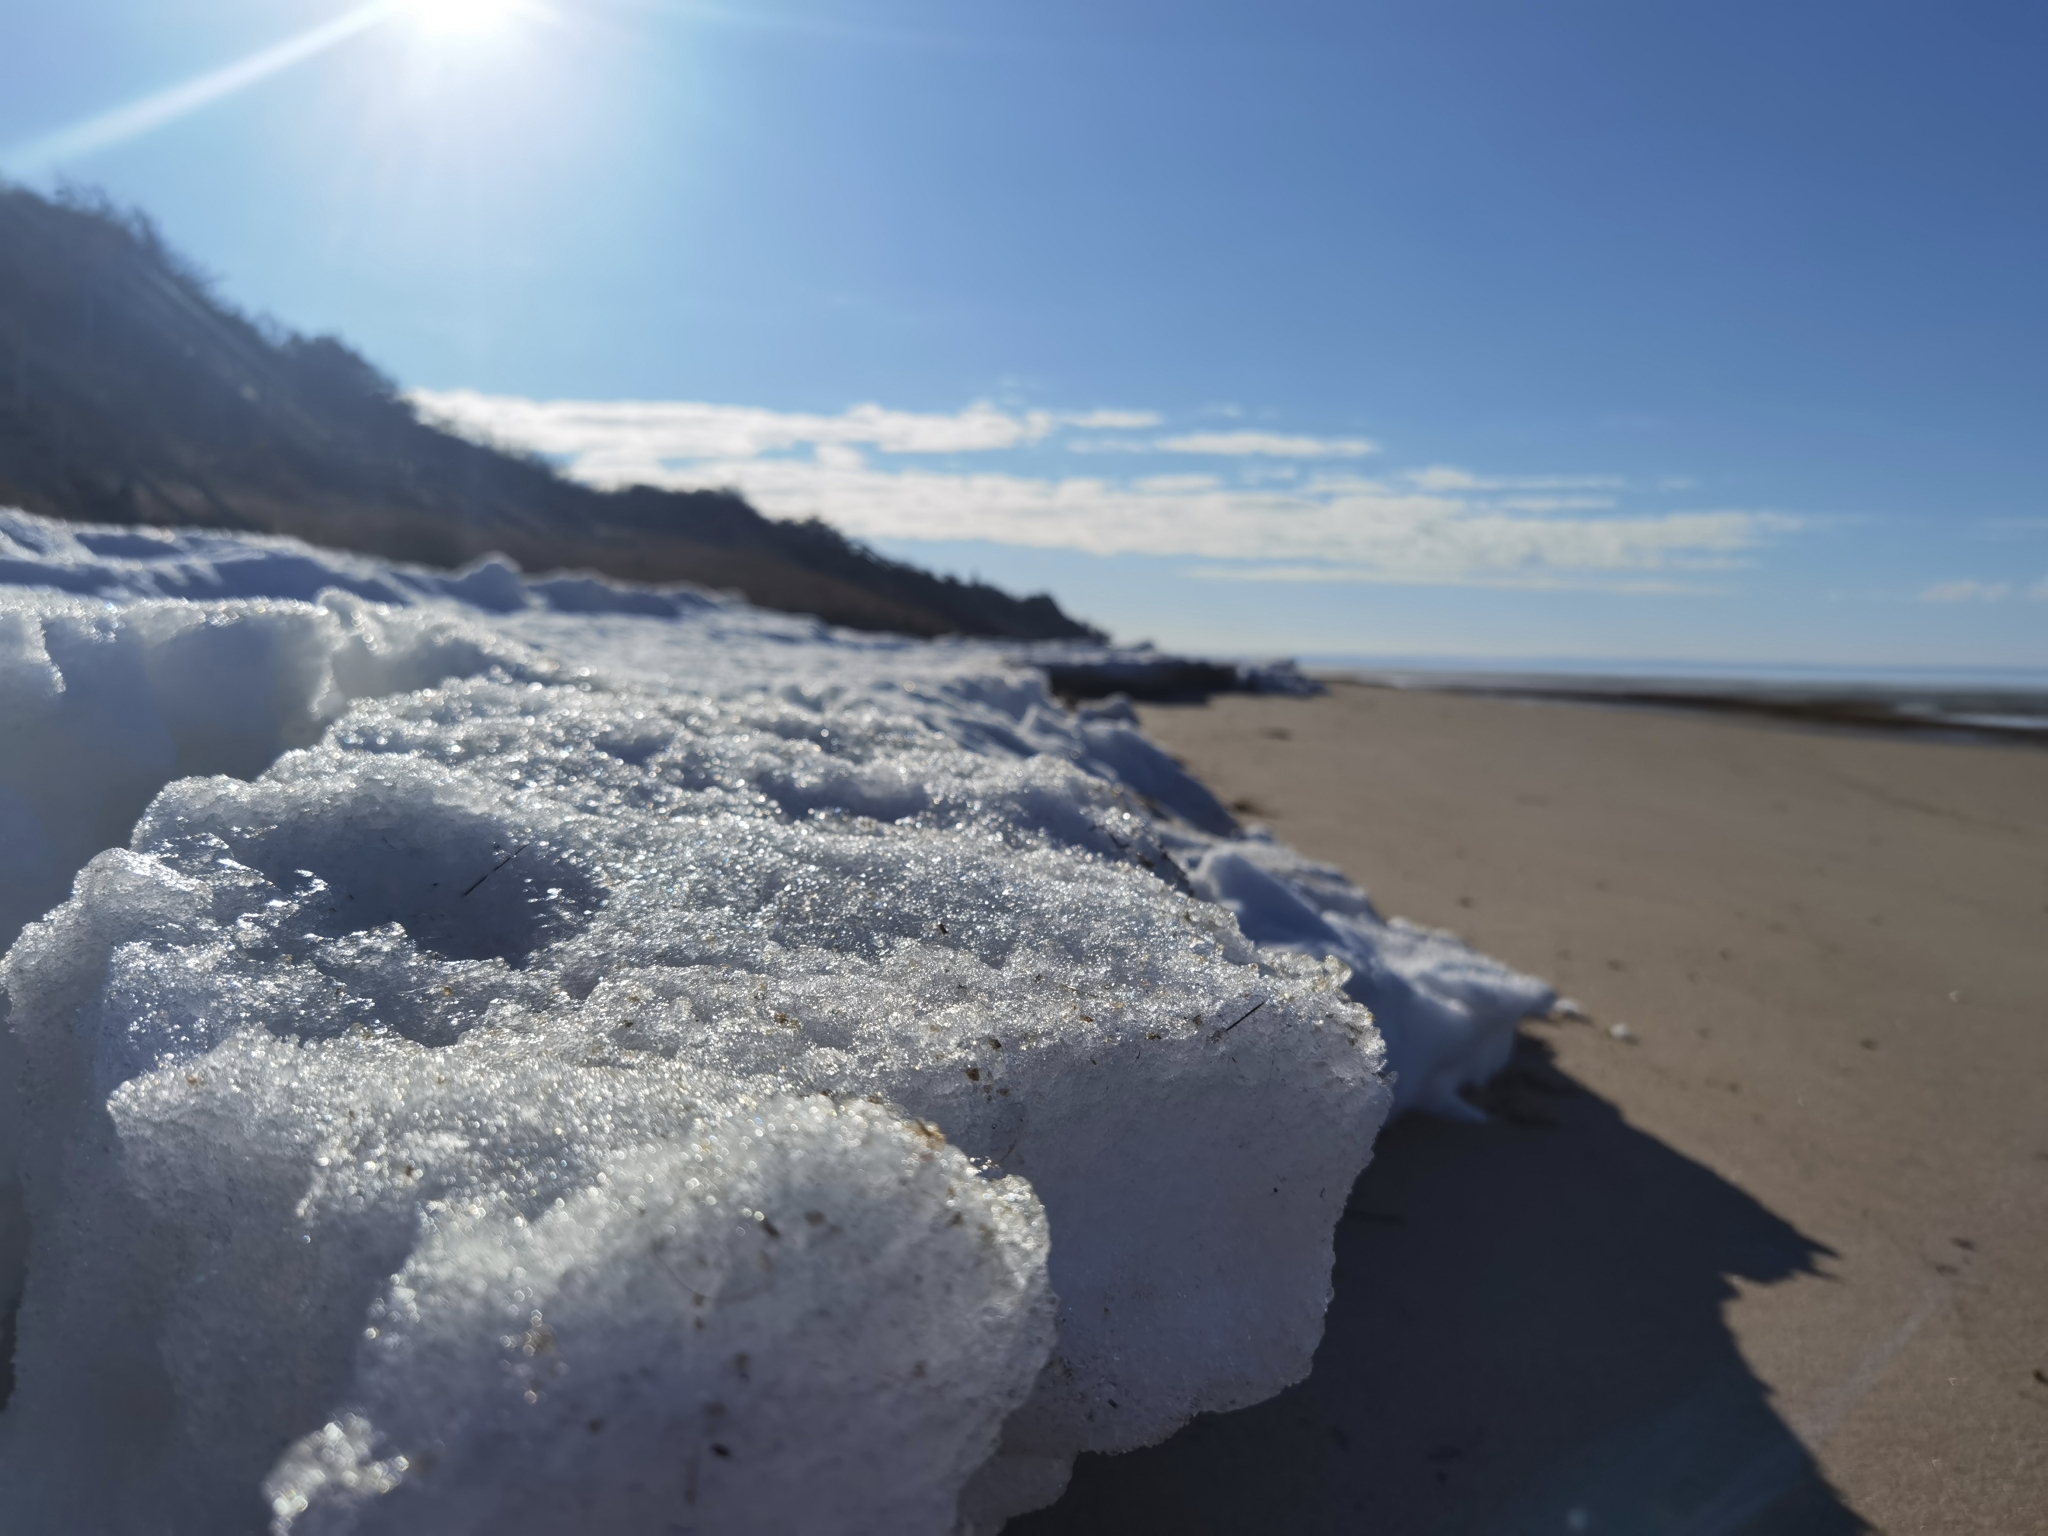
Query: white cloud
[[1554, 503], [2038, 592], [1968, 592], [1112, 421], [1274, 444], [1376, 530], [1328, 525], [1448, 477], [617, 442], [1110, 445], [1539, 581]]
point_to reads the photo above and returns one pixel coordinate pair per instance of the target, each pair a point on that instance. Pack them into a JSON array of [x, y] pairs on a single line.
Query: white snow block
[[1448, 1013], [490, 951], [298, 1269], [616, 1059], [105, 703]]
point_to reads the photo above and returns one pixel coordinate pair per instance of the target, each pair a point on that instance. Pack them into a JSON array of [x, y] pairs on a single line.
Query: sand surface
[[1761, 1246]]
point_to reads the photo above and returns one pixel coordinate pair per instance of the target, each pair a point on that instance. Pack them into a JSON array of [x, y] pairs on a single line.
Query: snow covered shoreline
[[551, 1055]]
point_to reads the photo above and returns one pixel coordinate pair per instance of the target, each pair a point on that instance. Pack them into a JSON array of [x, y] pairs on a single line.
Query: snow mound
[[554, 1056], [1448, 1013], [106, 702]]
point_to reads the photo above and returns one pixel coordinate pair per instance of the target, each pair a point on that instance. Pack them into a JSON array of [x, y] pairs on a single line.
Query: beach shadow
[[1525, 1336]]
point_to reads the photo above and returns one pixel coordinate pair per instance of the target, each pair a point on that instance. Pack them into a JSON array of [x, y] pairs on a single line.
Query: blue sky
[[1628, 329]]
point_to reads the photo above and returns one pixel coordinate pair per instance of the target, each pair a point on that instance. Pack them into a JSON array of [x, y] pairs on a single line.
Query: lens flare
[[458, 17]]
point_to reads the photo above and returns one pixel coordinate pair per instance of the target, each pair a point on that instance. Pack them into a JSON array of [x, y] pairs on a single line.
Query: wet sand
[[1760, 1245]]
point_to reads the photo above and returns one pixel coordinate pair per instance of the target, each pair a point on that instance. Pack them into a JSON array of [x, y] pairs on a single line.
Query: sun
[[465, 18]]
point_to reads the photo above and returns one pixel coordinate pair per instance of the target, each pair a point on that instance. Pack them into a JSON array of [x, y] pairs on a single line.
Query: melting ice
[[528, 1056]]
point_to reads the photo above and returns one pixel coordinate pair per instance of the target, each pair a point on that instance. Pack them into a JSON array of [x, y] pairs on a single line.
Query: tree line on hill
[[131, 393]]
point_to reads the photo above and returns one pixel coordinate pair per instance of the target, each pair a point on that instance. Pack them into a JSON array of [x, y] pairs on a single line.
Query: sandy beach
[[1759, 1243]]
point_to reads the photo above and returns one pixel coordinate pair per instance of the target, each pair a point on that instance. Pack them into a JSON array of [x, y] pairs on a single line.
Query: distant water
[[2008, 703]]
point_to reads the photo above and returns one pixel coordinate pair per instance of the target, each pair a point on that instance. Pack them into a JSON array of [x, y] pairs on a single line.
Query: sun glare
[[459, 17]]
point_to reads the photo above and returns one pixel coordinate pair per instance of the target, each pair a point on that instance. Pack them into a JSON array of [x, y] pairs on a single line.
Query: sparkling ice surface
[[540, 1056]]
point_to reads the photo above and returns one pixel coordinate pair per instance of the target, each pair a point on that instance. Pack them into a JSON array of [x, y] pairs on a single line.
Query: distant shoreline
[[2006, 705]]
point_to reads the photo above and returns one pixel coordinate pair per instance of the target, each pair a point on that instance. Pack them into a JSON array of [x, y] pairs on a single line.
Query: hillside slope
[[129, 393]]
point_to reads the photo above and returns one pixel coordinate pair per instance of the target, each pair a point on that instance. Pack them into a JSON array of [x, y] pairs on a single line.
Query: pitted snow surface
[[633, 1063]]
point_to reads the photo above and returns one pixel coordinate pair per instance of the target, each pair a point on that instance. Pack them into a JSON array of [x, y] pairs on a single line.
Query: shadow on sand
[[1526, 1336]]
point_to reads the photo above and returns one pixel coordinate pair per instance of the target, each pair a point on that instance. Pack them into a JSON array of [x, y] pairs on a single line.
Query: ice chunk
[[393, 1105], [105, 703], [1448, 1013], [479, 899], [382, 1286]]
